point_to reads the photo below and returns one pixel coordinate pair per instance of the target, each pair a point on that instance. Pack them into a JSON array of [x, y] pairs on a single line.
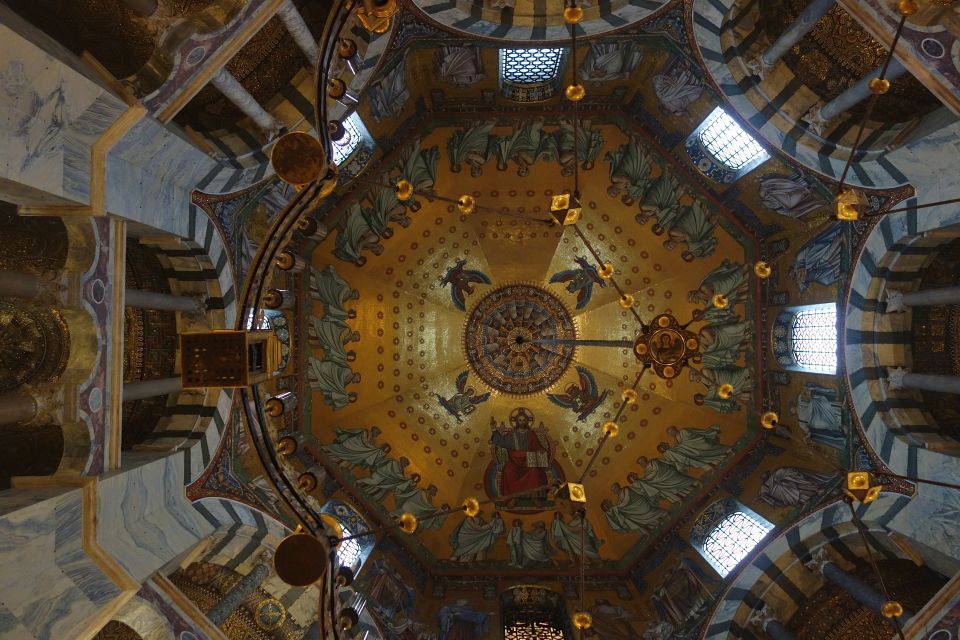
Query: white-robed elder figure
[[529, 548], [474, 537]]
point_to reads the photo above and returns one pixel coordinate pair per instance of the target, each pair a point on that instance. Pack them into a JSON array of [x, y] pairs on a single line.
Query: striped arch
[[475, 19], [895, 423], [144, 618], [241, 537], [777, 572], [723, 32], [226, 516]]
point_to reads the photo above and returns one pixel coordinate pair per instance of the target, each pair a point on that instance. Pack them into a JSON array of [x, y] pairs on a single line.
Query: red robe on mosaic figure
[[522, 456]]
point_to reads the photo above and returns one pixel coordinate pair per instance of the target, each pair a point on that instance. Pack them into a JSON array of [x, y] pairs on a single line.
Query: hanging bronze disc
[[298, 158], [301, 559]]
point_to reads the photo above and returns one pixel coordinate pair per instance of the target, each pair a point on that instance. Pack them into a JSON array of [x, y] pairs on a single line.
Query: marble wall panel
[[49, 115], [150, 173], [145, 520], [43, 542]]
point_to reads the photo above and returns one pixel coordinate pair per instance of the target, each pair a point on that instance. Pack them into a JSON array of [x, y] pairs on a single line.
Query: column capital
[[760, 617], [895, 302], [759, 67], [896, 376], [818, 560], [816, 122]]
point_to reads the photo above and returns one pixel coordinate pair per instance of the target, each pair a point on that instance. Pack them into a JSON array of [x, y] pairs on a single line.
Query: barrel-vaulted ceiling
[[410, 360]]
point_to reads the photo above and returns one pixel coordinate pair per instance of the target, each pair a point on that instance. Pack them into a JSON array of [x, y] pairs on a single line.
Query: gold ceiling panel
[[412, 364]]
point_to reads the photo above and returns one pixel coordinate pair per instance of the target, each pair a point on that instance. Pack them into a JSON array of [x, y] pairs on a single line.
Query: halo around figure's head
[[517, 413]]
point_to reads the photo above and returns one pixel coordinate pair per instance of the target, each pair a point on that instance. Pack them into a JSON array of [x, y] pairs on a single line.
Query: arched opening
[[150, 344], [935, 339], [726, 533], [534, 613], [831, 613], [116, 630], [805, 338], [530, 75]]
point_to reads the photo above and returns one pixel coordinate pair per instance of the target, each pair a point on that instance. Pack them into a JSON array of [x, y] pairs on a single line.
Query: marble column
[[899, 301], [901, 378], [16, 408], [145, 8], [820, 114], [164, 301], [241, 98], [857, 588], [800, 27], [141, 389], [766, 619], [235, 596], [16, 284], [298, 28]]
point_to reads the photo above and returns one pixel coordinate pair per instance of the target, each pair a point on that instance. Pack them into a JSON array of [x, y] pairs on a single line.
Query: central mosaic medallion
[[503, 338]]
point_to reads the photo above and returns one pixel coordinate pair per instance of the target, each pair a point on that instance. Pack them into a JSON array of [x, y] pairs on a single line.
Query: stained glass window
[[529, 612], [355, 132], [733, 539], [529, 66], [341, 517], [348, 552], [814, 338], [532, 631], [728, 142]]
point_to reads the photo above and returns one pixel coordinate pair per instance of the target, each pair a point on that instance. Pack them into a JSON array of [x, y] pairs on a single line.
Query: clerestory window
[[814, 338], [722, 149], [733, 539], [355, 132], [349, 552], [530, 66], [728, 142], [530, 75], [726, 532]]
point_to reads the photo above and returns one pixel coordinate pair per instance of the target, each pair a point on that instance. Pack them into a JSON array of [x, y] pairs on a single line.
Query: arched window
[[528, 66], [350, 553], [805, 338], [726, 532], [534, 613], [722, 149], [530, 75], [354, 133]]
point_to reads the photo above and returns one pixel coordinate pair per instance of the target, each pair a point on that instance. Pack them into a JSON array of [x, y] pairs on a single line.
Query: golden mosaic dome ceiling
[[421, 394]]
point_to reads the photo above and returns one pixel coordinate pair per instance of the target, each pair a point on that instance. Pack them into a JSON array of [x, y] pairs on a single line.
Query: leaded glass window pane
[[733, 539], [529, 66], [355, 132], [532, 631], [728, 142], [814, 339], [348, 552]]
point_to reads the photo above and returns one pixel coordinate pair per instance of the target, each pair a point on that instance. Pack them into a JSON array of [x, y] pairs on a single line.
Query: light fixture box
[[565, 209]]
